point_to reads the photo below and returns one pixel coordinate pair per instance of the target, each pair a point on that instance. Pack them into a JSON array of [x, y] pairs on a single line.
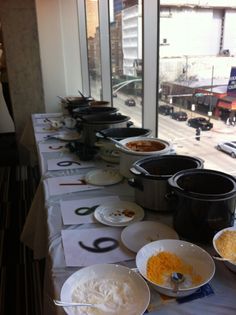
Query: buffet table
[[50, 228]]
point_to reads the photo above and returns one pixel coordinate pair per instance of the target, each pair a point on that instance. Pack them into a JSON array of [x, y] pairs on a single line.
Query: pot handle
[[99, 144], [129, 123], [171, 196], [115, 153], [138, 170], [134, 184]]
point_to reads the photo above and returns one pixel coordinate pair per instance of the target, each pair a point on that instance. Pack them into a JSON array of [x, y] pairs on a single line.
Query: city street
[[183, 137]]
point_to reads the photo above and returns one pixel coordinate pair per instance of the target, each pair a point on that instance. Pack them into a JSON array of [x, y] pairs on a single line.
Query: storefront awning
[[227, 105]]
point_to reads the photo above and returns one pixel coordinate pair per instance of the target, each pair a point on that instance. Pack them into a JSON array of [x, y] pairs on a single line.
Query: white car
[[228, 147]]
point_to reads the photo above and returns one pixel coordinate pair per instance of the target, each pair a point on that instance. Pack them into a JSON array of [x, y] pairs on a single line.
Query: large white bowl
[[230, 265], [136, 306], [192, 254]]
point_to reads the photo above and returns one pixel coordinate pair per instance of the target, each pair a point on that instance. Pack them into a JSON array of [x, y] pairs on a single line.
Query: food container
[[85, 111], [69, 104], [190, 254], [150, 179], [205, 202], [90, 124], [229, 244], [98, 103], [107, 149], [130, 155]]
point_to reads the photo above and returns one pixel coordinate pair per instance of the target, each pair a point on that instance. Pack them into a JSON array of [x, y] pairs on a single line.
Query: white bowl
[[230, 265], [136, 293], [191, 254]]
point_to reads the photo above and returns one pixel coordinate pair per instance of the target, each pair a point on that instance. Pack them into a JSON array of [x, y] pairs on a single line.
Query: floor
[[21, 277]]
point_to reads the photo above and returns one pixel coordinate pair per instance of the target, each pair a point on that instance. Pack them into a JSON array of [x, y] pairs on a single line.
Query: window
[[93, 42], [161, 54]]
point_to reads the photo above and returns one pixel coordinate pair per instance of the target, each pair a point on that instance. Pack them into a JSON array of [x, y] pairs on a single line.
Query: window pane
[[93, 40], [126, 56], [197, 49]]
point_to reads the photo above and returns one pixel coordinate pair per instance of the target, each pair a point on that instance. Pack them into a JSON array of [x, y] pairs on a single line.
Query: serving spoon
[[113, 140], [177, 278]]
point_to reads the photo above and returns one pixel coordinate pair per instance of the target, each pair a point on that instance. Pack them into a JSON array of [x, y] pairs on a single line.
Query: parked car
[[228, 147], [200, 122], [130, 102], [180, 116], [165, 109]]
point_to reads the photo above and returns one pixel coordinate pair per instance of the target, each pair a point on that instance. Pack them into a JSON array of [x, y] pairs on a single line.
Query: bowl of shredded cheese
[[224, 243], [158, 260]]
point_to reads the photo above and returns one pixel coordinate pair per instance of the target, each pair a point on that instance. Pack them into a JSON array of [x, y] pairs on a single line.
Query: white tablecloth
[[42, 233]]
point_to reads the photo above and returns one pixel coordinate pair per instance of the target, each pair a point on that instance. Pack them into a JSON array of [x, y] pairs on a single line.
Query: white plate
[[120, 213], [103, 177], [138, 234], [68, 136], [139, 289]]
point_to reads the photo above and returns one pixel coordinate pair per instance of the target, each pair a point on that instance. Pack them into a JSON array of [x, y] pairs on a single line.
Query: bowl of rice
[[157, 261], [224, 243]]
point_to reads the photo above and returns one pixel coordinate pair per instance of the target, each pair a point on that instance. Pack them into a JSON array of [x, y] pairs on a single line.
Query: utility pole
[[211, 96]]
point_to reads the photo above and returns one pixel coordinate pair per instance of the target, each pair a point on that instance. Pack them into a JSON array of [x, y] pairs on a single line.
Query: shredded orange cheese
[[226, 245], [162, 265]]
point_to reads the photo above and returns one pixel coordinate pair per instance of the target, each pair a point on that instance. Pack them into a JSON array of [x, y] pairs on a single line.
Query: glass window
[[178, 56], [93, 45], [126, 56], [196, 54]]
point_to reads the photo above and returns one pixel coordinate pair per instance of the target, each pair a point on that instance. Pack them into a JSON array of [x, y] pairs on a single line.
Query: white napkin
[[52, 147], [82, 246], [54, 187], [70, 216], [54, 164]]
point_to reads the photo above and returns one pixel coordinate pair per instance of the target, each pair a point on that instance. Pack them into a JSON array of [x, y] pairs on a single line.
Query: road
[[183, 137]]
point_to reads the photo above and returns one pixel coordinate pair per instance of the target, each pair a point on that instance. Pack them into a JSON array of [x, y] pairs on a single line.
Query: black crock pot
[[80, 111], [90, 124], [150, 178], [125, 132], [205, 203]]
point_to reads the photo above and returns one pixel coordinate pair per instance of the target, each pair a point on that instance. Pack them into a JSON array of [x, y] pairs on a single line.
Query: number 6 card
[[85, 247]]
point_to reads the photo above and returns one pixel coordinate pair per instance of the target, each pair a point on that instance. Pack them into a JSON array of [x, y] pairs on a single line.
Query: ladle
[[113, 140], [177, 278]]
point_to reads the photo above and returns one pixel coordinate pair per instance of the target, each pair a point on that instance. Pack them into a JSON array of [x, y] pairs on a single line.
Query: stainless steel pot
[[81, 112], [92, 123], [151, 175]]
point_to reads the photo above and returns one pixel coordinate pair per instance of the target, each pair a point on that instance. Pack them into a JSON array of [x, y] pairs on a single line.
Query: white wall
[[59, 50], [229, 30], [190, 32]]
